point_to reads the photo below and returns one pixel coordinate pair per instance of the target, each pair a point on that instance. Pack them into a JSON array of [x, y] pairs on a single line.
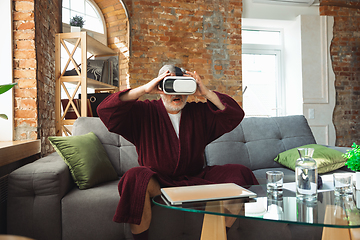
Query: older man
[[170, 136]]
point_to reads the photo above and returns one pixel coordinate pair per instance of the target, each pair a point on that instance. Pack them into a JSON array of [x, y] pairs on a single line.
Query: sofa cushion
[[327, 159], [87, 159], [87, 214], [255, 142], [122, 153]]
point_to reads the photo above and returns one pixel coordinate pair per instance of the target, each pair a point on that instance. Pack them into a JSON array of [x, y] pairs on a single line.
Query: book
[[71, 114], [201, 193]]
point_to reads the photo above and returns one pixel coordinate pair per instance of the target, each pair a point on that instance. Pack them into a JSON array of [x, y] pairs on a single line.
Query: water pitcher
[[306, 175]]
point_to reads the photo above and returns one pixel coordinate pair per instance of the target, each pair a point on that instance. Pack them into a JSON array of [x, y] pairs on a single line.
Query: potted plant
[[5, 88], [76, 23], [353, 162]]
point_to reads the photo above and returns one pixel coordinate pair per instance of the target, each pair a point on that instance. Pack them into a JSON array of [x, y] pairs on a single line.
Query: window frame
[[100, 14], [269, 49]]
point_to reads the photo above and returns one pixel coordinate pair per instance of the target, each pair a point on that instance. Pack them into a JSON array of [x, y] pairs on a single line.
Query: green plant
[[5, 88], [353, 158], [77, 21]]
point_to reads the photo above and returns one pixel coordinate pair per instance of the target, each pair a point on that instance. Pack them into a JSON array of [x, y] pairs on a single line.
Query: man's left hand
[[201, 89]]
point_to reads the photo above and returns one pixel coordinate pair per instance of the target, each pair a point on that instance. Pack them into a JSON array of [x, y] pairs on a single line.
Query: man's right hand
[[150, 87], [153, 85]]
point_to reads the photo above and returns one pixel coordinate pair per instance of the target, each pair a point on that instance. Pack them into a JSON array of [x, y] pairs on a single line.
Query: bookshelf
[[86, 44]]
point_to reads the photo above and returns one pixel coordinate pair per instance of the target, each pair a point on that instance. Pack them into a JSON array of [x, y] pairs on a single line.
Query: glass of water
[[342, 184], [275, 181], [306, 175]]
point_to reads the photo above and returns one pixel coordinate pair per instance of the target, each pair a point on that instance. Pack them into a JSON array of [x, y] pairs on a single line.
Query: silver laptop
[[209, 192]]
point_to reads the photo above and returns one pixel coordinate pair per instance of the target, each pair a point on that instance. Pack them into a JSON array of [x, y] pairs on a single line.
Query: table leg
[[13, 237], [355, 233], [336, 234], [213, 225], [335, 215]]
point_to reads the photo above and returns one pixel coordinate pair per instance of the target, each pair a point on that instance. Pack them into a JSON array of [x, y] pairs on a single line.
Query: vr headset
[[178, 85]]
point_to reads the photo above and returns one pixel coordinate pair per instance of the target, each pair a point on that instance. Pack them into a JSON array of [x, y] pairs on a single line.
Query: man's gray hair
[[171, 69]]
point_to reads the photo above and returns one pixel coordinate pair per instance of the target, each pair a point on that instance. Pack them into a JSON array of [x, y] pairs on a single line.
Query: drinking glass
[[342, 184], [275, 181]]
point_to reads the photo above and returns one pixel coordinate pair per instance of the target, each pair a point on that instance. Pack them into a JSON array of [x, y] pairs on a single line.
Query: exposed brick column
[[48, 23], [25, 64], [345, 56], [34, 59]]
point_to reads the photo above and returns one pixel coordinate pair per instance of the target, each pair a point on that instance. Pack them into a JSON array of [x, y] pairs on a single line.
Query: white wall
[[318, 76], [6, 69], [276, 11], [293, 72]]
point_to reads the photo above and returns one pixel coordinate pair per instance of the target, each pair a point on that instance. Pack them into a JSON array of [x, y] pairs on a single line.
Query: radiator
[[3, 202]]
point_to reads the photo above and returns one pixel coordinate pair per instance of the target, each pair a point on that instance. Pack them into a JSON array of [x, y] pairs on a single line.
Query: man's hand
[[153, 85], [150, 87], [202, 90]]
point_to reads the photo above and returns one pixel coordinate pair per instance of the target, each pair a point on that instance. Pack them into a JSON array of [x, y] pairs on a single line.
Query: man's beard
[[171, 106]]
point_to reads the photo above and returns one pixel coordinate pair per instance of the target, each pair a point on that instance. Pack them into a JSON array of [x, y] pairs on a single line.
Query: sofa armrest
[[343, 150], [34, 198], [340, 149]]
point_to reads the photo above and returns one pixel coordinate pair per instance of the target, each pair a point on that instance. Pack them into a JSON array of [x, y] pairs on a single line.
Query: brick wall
[[48, 23], [345, 56], [34, 54], [25, 66], [200, 35], [204, 36]]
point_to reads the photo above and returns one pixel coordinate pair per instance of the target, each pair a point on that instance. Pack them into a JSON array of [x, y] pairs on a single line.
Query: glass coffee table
[[339, 216]]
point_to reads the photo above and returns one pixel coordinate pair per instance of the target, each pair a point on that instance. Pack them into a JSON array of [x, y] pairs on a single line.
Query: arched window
[[91, 13]]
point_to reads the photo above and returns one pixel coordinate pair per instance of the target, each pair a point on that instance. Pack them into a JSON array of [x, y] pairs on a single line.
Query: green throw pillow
[[87, 159], [327, 159]]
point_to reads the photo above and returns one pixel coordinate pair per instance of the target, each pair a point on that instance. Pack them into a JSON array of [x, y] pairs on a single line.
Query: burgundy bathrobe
[[171, 160]]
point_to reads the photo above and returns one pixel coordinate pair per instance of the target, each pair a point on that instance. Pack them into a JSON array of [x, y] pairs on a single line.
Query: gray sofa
[[45, 204]]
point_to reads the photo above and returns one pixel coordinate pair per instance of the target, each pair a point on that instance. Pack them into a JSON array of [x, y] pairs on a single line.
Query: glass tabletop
[[328, 211]]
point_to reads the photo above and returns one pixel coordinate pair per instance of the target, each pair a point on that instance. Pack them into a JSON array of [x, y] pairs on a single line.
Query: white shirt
[[175, 120]]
